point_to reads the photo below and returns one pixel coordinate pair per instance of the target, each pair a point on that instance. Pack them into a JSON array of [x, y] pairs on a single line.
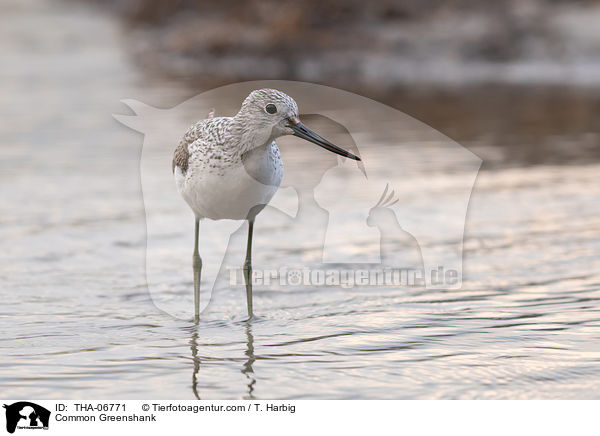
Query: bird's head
[[269, 109], [273, 114]]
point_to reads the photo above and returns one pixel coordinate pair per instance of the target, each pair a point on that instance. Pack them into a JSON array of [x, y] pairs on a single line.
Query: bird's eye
[[271, 108]]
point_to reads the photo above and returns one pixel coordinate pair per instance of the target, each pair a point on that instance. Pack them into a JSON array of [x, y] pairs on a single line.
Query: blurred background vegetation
[[520, 73], [371, 45]]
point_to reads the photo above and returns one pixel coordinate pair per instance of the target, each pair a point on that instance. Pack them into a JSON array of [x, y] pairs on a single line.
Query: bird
[[231, 167]]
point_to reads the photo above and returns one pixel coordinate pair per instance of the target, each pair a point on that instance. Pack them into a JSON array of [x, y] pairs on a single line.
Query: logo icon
[[397, 218], [26, 415]]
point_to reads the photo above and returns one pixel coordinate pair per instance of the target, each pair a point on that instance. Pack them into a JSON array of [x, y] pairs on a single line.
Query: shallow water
[[79, 322]]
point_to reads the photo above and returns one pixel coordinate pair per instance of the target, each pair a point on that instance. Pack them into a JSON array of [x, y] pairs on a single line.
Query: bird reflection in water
[[196, 360], [247, 369]]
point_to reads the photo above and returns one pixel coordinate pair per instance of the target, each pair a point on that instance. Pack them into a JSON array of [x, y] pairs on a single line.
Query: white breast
[[231, 191]]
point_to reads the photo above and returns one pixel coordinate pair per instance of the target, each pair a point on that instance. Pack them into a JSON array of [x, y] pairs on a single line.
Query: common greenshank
[[230, 167]]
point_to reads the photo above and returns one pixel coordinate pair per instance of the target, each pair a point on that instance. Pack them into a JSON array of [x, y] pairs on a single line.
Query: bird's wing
[[203, 132]]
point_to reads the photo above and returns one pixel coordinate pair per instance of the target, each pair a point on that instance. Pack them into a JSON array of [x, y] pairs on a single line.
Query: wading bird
[[230, 167]]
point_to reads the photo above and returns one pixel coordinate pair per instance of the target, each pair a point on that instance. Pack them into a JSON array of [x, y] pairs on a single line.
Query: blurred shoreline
[[523, 76], [362, 46], [167, 44]]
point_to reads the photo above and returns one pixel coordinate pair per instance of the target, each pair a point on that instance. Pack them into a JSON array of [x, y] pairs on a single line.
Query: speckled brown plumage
[[181, 157]]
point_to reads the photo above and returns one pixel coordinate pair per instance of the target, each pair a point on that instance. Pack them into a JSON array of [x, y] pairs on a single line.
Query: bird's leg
[[248, 267], [197, 265]]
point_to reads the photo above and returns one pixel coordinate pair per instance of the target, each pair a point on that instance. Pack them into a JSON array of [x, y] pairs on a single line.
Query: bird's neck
[[250, 138]]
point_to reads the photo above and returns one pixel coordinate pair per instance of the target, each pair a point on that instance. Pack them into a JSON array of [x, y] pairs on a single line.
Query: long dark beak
[[301, 131]]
